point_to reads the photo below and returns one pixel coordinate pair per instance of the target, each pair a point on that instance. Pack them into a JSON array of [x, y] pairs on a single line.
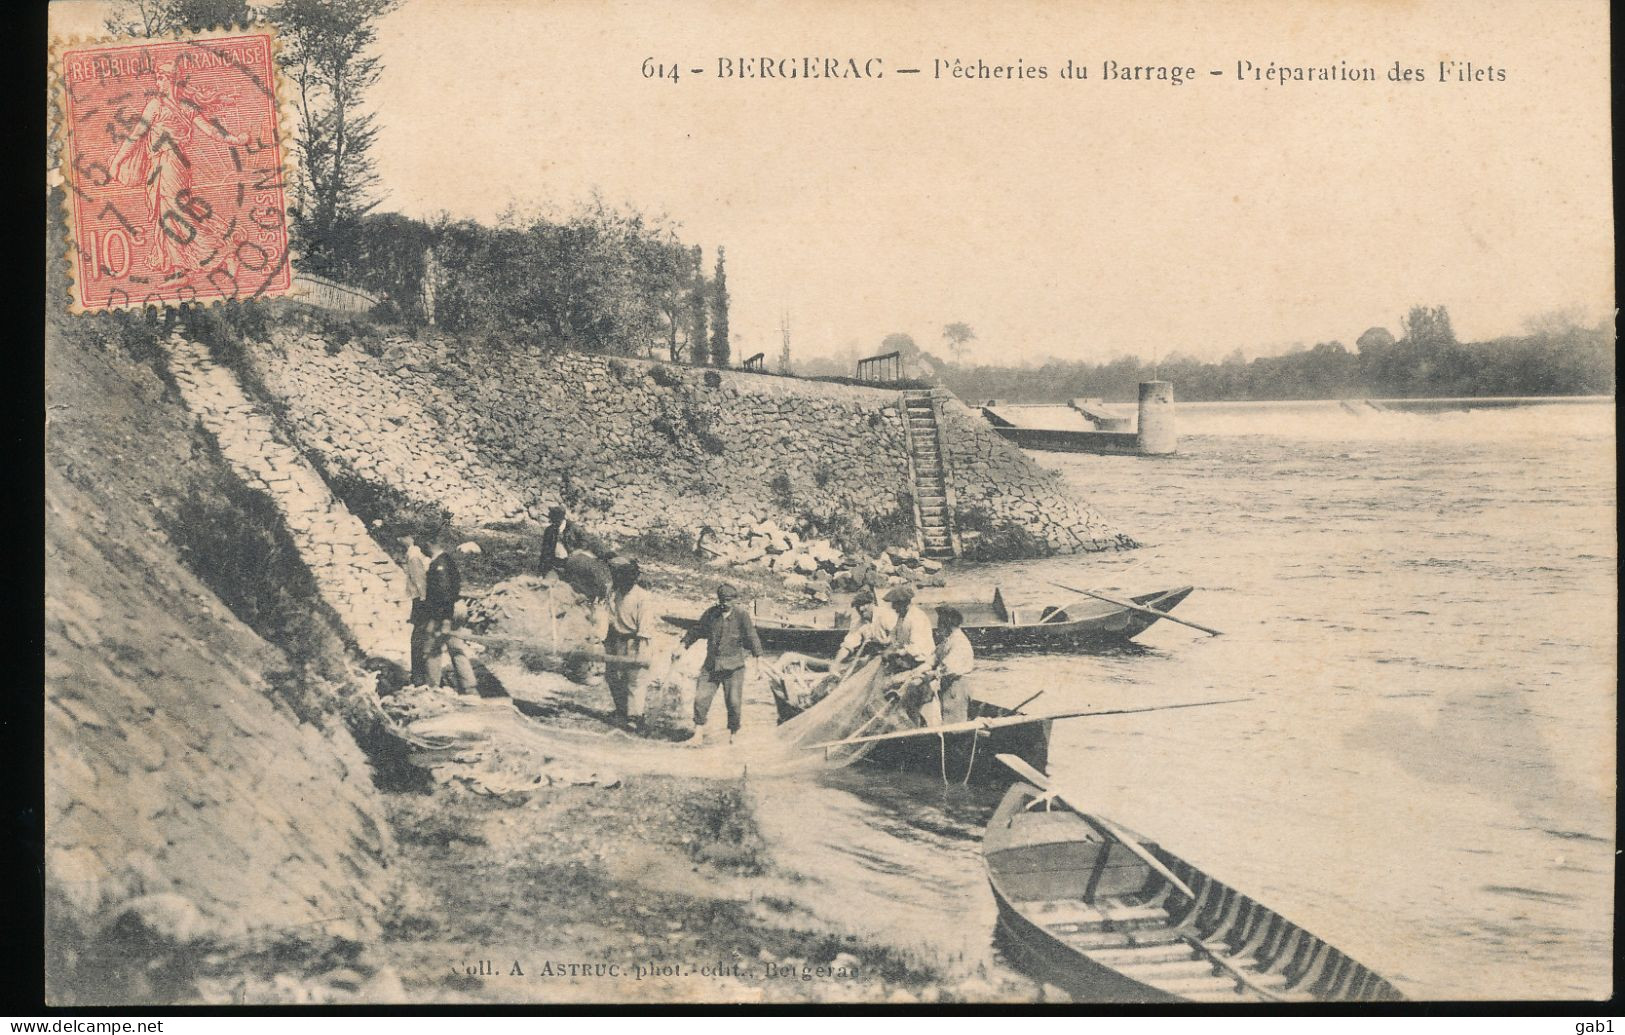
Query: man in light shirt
[[954, 660], [912, 643], [631, 620], [417, 581], [867, 631], [935, 692]]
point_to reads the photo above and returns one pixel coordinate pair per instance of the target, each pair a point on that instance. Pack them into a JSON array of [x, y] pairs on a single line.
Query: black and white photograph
[[804, 503]]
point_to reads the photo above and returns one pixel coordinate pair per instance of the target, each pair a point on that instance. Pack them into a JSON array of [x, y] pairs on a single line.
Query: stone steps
[[936, 532]]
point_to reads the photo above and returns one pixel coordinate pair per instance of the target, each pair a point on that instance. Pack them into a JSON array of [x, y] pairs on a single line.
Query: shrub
[[995, 538], [370, 501], [386, 311], [784, 493], [663, 541], [664, 426], [664, 376], [727, 834], [137, 334], [877, 532], [713, 379]]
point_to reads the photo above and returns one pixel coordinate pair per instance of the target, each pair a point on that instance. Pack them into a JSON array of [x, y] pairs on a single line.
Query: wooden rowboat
[[1082, 910], [992, 627]]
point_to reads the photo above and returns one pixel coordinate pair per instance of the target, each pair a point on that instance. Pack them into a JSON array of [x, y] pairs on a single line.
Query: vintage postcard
[[800, 503]]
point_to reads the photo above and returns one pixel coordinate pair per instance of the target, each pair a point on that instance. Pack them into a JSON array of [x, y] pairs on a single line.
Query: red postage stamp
[[173, 161]]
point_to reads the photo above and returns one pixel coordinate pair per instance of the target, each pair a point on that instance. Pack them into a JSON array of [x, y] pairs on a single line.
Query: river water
[[1421, 609]]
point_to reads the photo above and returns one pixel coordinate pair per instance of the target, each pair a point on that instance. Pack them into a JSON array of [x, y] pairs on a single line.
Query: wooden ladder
[[929, 469]]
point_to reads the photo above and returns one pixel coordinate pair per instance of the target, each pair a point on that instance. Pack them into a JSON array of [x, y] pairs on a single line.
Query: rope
[[974, 738]]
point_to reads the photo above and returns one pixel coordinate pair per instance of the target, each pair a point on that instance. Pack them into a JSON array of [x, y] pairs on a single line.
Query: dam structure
[[1089, 426]]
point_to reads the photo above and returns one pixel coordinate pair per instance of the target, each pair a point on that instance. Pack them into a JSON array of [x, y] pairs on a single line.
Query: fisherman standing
[[628, 608], [443, 587], [417, 575], [729, 633]]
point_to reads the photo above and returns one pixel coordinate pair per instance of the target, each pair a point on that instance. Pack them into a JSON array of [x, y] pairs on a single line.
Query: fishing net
[[497, 749], [844, 705]]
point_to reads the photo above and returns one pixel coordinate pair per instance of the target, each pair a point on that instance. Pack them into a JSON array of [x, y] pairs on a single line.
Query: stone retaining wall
[[631, 446], [354, 575]]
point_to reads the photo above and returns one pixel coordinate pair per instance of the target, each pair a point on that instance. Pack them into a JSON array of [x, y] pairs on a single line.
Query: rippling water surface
[[1422, 609]]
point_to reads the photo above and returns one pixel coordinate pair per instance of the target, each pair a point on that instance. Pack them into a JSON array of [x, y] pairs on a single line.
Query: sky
[[1058, 218]]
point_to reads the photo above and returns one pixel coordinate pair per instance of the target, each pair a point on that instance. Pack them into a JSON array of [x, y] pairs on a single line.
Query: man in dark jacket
[[729, 635], [443, 588], [559, 540]]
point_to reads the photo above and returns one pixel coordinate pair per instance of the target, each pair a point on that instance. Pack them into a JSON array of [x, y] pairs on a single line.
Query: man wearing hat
[[630, 623], [729, 634], [912, 643], [558, 540]]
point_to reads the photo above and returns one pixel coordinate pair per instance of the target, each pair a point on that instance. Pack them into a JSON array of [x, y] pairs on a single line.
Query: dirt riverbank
[[547, 857]]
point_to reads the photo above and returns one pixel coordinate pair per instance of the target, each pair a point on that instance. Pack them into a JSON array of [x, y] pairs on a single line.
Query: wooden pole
[[542, 648], [1137, 607], [1105, 826]]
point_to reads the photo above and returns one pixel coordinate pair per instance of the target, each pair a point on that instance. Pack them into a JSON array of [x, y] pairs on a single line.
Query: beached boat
[[992, 627], [1079, 908], [949, 755]]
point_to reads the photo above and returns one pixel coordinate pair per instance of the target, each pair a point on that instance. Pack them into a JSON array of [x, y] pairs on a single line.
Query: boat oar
[[542, 648], [1083, 593], [1105, 826], [1138, 607], [1013, 720], [1059, 611]]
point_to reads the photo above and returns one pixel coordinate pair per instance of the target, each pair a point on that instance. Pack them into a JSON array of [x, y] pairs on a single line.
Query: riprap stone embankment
[[497, 435]]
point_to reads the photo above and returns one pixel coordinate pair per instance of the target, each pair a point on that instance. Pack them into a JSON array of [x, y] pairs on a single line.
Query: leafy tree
[[699, 347], [721, 347], [387, 255], [326, 53], [662, 262], [958, 335], [1428, 326]]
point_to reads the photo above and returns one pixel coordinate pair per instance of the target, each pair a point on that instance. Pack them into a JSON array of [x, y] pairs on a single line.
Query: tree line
[[601, 279], [1559, 354]]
